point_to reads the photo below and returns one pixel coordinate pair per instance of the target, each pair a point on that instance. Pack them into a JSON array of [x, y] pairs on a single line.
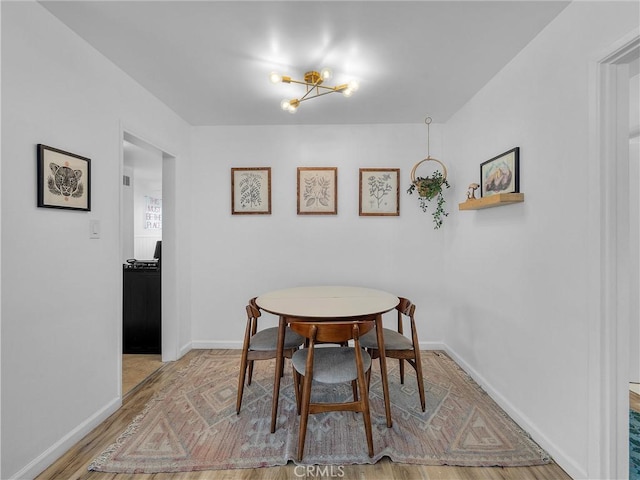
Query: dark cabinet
[[141, 310]]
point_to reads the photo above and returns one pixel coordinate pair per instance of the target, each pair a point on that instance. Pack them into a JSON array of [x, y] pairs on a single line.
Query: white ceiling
[[209, 60]]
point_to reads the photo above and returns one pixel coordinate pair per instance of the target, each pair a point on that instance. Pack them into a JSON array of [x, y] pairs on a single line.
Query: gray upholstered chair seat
[[392, 340], [331, 364], [267, 339]]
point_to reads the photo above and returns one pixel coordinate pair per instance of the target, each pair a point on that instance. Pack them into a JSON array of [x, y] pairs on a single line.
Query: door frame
[[169, 284], [608, 207]]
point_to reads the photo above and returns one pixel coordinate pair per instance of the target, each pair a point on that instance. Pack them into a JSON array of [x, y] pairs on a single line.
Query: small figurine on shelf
[[471, 193]]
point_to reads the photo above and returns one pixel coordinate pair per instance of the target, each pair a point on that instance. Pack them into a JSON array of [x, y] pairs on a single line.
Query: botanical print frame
[[251, 191], [379, 192], [317, 190], [64, 179], [501, 174]]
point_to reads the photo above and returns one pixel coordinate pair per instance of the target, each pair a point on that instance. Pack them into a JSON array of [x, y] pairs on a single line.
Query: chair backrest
[[405, 307], [253, 303], [253, 313], [333, 331]]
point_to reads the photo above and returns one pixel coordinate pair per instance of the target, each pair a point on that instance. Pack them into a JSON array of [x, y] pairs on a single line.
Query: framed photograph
[[379, 191], [317, 190], [251, 191], [64, 179], [501, 174]]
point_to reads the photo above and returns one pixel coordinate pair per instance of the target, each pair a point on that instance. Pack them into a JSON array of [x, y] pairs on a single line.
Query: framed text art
[[379, 192], [317, 190], [501, 174], [64, 179], [251, 191]]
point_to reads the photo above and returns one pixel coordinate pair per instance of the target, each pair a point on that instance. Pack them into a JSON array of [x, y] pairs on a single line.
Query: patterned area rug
[[192, 425], [634, 445]]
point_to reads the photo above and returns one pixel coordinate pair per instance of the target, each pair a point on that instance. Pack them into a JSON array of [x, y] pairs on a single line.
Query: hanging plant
[[430, 187]]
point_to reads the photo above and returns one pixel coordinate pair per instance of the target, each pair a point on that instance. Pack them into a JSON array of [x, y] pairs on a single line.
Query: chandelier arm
[[310, 87], [308, 84], [304, 97], [325, 87], [300, 82], [317, 95]]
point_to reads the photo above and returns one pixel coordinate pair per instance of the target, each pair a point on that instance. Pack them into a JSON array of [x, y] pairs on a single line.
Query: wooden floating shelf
[[492, 201]]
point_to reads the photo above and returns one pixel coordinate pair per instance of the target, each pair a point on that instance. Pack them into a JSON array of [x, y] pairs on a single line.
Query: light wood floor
[[73, 465], [136, 369]]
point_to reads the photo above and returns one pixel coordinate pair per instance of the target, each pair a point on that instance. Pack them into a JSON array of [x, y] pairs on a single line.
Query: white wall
[[61, 308], [517, 276], [145, 169], [127, 219], [240, 256], [145, 238]]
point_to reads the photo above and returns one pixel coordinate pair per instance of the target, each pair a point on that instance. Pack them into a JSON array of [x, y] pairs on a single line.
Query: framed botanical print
[[251, 191], [379, 192], [317, 190], [501, 174], [64, 179]]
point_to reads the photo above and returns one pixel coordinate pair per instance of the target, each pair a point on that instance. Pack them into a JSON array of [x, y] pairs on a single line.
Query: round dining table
[[318, 303]]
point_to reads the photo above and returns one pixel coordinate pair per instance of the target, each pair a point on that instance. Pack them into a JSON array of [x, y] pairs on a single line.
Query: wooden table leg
[[383, 369], [276, 378]]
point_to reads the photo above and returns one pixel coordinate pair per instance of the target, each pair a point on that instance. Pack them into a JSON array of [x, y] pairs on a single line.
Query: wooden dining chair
[[331, 365], [261, 345], [398, 346]]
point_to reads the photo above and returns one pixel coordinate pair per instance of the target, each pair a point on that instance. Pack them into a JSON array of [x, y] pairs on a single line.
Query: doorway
[[147, 232]]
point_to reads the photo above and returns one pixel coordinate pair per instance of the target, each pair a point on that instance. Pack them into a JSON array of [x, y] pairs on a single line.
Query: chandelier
[[313, 82]]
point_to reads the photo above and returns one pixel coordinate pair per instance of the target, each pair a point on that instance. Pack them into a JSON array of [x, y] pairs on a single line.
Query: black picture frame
[[64, 179], [501, 174]]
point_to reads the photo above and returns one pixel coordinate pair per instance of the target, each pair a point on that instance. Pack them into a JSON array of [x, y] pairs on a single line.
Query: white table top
[[327, 302]]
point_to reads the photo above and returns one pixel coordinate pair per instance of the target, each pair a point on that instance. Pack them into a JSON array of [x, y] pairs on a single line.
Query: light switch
[[94, 228]]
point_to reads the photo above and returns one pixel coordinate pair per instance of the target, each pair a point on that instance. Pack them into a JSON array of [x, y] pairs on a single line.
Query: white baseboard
[[214, 345], [572, 468], [48, 457], [433, 346], [185, 349]]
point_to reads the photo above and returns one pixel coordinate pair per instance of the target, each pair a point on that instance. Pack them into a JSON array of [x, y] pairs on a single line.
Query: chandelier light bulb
[[347, 92], [326, 73], [285, 104], [354, 85], [275, 77]]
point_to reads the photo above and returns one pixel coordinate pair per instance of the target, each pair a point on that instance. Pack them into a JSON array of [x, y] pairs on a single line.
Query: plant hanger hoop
[[428, 159]]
